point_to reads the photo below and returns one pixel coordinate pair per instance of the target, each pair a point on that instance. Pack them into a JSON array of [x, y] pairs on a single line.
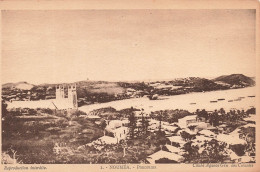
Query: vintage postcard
[[133, 85]]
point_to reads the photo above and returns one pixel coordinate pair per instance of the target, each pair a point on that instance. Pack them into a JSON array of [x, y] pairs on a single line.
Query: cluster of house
[[132, 93], [27, 94], [24, 96], [163, 86], [167, 88], [174, 148]]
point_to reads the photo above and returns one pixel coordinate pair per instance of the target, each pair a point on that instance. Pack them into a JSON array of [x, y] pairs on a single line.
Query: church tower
[[72, 96], [62, 91], [58, 92]]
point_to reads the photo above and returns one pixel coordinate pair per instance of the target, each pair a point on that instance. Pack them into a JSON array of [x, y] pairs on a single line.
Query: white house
[[113, 124], [184, 122], [231, 139], [120, 133]]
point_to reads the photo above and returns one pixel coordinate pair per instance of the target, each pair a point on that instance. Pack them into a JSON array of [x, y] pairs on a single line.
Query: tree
[[191, 152], [214, 118], [165, 116], [132, 124], [251, 111], [186, 136], [222, 111], [202, 114], [9, 121], [239, 149], [145, 125], [4, 108], [213, 152], [103, 125], [159, 118], [32, 112]]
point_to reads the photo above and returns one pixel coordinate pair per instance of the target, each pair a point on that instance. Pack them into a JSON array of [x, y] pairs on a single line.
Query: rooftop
[[177, 139], [163, 154], [207, 133], [190, 117]]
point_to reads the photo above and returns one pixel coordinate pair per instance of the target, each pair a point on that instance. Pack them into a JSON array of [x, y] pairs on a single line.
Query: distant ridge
[[23, 85], [224, 80], [235, 79]]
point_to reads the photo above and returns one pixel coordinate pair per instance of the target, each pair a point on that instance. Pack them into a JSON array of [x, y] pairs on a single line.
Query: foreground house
[[173, 149], [120, 133]]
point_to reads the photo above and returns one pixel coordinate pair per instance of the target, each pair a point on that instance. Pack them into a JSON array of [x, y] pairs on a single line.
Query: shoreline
[[184, 101]]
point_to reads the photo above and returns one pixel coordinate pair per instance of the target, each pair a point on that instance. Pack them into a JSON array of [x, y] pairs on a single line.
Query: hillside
[[238, 80], [101, 87], [197, 84]]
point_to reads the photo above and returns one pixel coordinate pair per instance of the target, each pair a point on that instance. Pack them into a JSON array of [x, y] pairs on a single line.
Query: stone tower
[[72, 96]]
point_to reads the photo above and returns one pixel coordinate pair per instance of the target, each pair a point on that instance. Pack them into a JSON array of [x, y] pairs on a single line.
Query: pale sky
[[67, 46]]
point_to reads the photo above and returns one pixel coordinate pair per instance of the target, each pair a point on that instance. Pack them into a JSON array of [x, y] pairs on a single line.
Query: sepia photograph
[[128, 86]]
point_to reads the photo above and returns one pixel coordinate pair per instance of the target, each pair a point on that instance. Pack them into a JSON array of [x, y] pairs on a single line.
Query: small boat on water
[[220, 99], [192, 103], [213, 101]]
